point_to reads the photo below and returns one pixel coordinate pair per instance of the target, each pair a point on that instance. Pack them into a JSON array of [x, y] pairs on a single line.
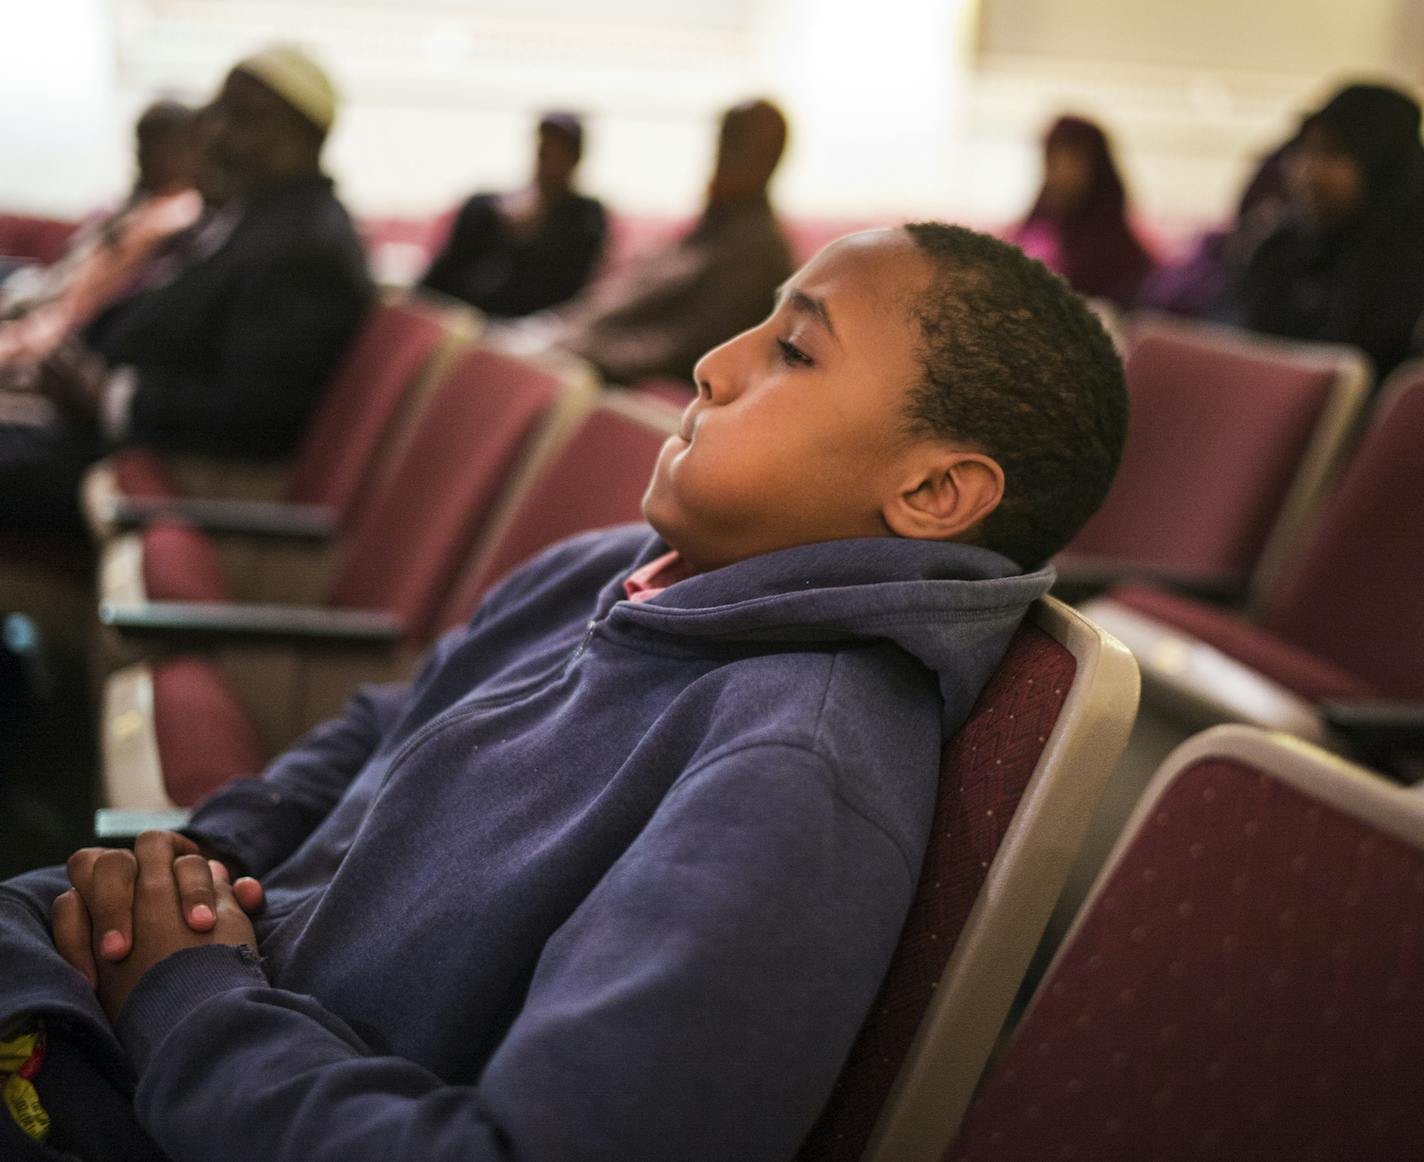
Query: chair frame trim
[[131, 769]]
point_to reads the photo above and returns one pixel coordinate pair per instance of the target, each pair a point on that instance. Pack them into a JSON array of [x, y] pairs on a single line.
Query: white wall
[[898, 106], [62, 146]]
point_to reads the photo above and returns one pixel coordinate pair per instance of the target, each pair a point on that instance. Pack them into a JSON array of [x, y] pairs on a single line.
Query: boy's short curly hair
[[1016, 365]]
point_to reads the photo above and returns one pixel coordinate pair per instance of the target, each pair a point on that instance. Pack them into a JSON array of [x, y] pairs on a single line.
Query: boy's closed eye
[[792, 355]]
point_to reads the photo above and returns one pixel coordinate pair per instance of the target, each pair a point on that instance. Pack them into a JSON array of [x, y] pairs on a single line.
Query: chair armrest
[[219, 515], [1080, 578], [1385, 734], [121, 825], [182, 621], [1198, 683]]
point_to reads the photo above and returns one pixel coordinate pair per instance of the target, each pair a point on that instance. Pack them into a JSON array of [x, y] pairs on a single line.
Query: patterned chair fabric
[[1242, 984], [983, 773]]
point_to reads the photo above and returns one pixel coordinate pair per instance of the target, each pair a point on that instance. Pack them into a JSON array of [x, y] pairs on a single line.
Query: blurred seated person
[[656, 317], [44, 304], [1346, 262], [226, 348], [1078, 225], [513, 254], [1195, 284]]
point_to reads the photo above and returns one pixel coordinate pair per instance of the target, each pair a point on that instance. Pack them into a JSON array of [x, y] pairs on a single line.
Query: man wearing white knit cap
[[226, 345]]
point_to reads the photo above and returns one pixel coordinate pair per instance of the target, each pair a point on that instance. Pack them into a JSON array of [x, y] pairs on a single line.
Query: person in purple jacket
[[618, 874]]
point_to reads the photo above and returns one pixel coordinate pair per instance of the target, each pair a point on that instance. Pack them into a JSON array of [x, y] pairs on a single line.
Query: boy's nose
[[716, 374]]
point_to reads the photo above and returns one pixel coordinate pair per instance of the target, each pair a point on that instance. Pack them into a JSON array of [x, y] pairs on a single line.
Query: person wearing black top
[[226, 346], [514, 254], [1346, 262]]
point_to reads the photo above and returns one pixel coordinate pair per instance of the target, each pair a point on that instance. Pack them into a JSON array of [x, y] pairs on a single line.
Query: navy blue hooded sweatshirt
[[609, 880]]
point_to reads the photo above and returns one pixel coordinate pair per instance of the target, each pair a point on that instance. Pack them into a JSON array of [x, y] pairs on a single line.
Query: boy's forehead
[[881, 268]]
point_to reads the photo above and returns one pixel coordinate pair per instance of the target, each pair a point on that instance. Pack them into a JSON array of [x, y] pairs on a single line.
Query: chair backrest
[[1017, 786], [403, 346], [404, 549], [595, 478], [399, 353], [1231, 440], [1352, 593], [43, 239], [1243, 981]]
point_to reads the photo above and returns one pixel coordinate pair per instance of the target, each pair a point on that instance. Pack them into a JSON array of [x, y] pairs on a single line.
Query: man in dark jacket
[[226, 348], [517, 253], [619, 874]]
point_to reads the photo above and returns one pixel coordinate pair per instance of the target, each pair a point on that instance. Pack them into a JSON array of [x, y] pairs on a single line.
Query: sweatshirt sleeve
[[696, 1006], [257, 823]]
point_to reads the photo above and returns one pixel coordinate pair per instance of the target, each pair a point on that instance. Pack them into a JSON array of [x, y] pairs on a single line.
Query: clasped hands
[[129, 910]]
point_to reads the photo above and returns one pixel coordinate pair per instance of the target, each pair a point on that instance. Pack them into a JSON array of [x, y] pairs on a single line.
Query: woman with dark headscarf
[[1346, 263], [1078, 225]]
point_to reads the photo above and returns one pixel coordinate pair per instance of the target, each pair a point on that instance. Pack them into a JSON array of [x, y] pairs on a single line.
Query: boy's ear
[[948, 495]]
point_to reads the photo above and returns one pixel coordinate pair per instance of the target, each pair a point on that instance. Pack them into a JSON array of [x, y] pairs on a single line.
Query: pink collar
[[647, 582]]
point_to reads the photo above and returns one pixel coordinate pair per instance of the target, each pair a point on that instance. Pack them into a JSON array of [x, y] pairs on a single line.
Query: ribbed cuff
[[173, 987]]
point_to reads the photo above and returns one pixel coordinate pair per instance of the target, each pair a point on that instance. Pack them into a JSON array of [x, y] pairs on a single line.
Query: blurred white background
[[898, 107]]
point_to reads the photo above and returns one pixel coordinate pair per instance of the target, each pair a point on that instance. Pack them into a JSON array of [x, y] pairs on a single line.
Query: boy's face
[[796, 433]]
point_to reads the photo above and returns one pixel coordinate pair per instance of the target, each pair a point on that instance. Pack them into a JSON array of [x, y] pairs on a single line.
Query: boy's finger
[[249, 894], [195, 892], [80, 866], [69, 921], [110, 900]]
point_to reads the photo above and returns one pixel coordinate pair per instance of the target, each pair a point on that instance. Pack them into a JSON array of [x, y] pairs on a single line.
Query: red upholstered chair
[[1231, 438], [402, 548], [591, 476], [402, 348], [1243, 981], [596, 478], [1017, 784]]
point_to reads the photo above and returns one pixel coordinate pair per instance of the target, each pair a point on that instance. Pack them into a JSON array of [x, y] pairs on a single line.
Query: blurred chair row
[[1265, 457], [437, 464]]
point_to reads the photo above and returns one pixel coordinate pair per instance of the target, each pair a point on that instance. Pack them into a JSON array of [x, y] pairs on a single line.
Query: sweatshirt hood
[[953, 607]]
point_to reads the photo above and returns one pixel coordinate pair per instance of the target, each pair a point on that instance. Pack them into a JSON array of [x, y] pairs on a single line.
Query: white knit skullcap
[[297, 79]]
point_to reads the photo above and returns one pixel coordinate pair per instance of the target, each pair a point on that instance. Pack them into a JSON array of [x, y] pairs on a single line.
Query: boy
[[619, 874]]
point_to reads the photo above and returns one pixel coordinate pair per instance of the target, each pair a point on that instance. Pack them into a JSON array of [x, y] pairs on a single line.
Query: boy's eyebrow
[[805, 304]]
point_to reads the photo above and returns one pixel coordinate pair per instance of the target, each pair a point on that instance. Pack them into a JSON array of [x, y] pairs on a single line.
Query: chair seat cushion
[[203, 732], [180, 563], [1282, 661]]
